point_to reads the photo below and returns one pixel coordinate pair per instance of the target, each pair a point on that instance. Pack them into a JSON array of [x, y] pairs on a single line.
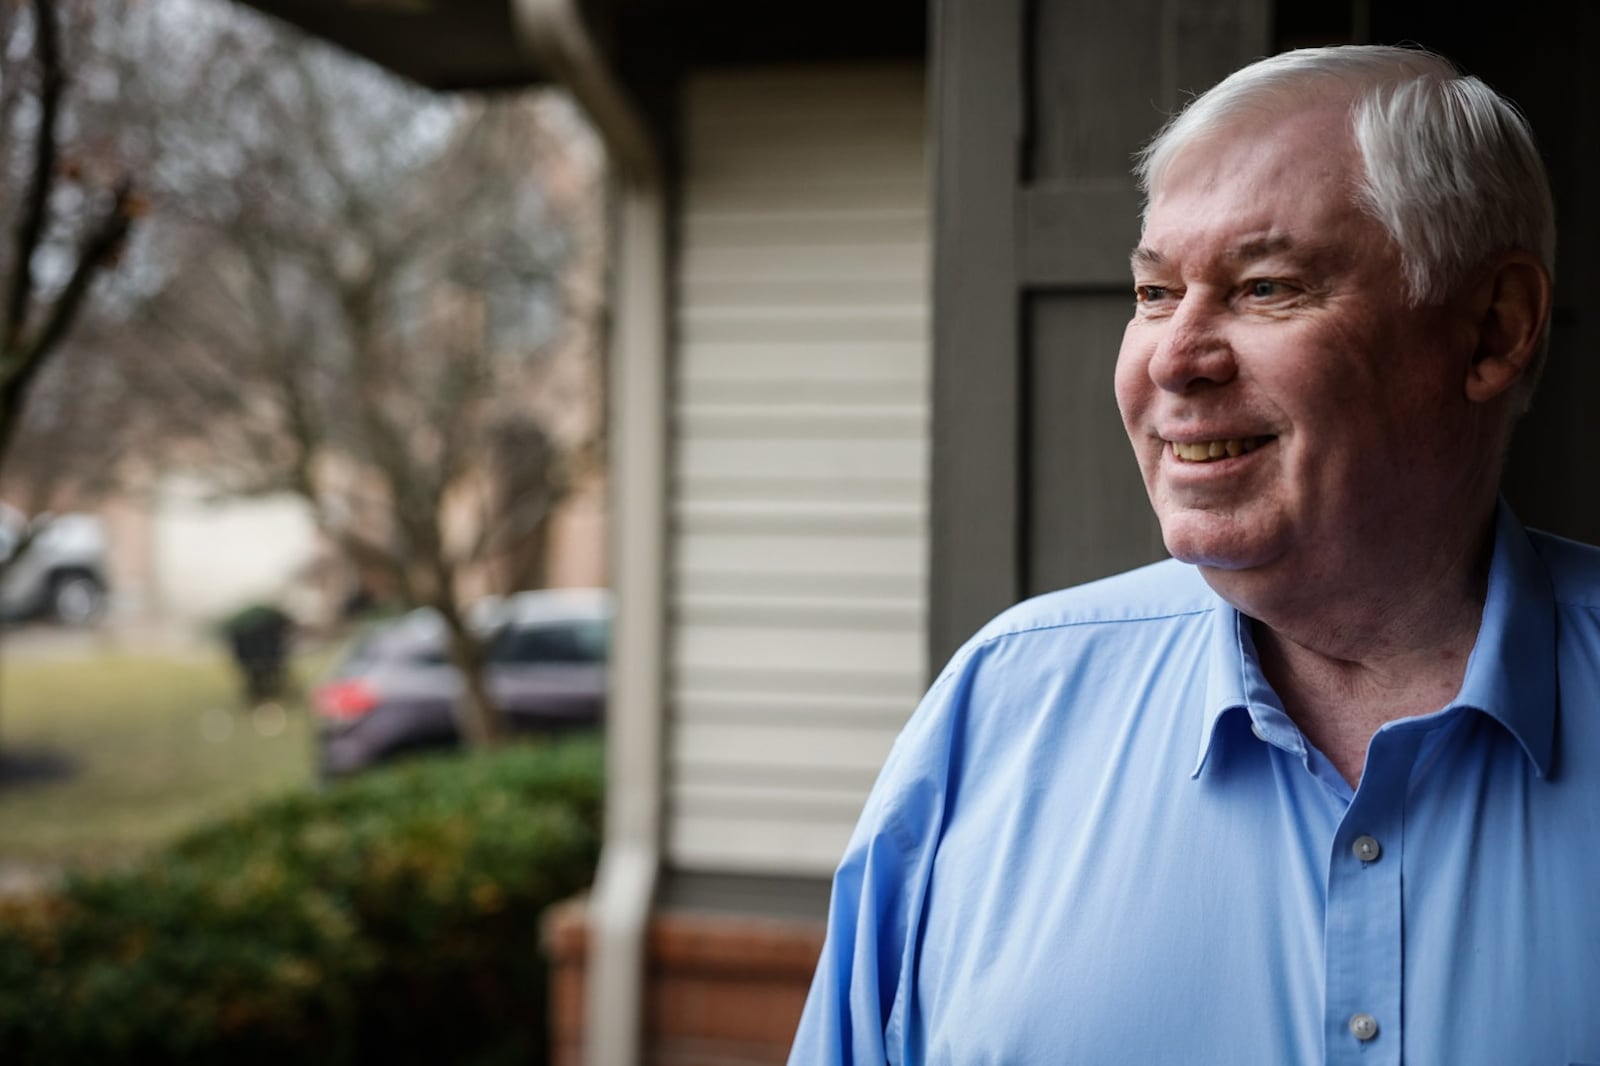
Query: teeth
[[1206, 450]]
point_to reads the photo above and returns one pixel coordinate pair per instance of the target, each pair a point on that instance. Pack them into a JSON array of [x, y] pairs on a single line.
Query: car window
[[561, 642]]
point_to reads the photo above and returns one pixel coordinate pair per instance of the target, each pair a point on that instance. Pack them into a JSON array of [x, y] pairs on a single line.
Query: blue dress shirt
[[1100, 839]]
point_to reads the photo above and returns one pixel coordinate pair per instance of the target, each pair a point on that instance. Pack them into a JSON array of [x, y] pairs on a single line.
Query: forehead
[[1261, 188]]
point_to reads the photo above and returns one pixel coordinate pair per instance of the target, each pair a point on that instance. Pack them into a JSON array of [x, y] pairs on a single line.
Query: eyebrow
[[1148, 258], [1249, 251]]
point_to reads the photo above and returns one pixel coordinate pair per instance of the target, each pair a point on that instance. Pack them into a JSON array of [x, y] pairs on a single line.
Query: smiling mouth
[[1206, 451]]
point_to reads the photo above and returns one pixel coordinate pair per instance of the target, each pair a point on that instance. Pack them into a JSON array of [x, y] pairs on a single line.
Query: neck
[[1345, 660]]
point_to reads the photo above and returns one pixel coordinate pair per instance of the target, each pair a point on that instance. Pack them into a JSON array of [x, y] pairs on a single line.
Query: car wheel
[[76, 599]]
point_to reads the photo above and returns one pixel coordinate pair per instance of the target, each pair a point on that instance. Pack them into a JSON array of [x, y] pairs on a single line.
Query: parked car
[[396, 691], [61, 573]]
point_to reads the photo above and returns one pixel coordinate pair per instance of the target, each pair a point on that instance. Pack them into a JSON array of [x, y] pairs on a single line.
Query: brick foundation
[[721, 990]]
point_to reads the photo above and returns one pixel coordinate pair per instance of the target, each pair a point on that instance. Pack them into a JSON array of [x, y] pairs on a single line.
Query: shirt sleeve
[[857, 1009]]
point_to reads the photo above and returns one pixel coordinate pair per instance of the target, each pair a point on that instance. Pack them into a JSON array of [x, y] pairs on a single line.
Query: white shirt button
[[1363, 1026], [1367, 849]]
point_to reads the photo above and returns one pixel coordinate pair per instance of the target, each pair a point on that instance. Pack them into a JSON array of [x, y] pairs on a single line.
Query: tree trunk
[[476, 713], [29, 333]]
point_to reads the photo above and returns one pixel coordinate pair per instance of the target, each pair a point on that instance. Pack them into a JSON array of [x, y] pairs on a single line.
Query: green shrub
[[391, 918]]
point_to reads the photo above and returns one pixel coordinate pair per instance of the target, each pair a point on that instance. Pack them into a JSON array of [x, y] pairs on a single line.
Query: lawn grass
[[153, 744]]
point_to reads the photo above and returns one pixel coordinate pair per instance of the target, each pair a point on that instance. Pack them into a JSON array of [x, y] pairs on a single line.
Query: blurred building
[[869, 280]]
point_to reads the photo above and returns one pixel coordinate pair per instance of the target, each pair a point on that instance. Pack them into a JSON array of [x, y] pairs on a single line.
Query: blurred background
[[334, 356], [302, 381]]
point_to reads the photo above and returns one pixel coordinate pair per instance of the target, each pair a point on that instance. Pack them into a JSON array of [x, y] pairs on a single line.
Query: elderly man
[[1325, 787]]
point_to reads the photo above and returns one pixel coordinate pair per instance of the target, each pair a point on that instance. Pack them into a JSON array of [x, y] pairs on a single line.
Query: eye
[[1264, 288], [1146, 294]]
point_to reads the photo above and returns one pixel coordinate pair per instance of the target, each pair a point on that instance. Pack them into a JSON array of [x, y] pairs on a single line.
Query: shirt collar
[[1510, 675]]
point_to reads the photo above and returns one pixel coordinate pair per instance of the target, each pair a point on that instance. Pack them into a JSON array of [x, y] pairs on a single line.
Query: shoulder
[[1067, 662], [1119, 615], [1574, 569], [1151, 593]]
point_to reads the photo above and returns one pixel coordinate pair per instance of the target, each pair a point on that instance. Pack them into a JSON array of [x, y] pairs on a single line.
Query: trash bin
[[258, 639]]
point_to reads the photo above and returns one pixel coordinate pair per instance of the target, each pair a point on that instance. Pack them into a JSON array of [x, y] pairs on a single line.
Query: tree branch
[[36, 201], [98, 247]]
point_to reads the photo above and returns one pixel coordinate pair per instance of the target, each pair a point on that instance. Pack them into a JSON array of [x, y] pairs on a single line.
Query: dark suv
[[395, 692]]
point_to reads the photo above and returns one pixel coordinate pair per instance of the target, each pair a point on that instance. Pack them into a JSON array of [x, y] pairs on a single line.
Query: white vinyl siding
[[799, 492]]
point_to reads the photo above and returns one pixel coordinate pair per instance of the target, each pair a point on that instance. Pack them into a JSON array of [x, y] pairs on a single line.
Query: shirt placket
[[1363, 1012]]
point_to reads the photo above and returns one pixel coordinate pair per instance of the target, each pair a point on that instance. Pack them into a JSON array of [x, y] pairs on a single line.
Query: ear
[[1513, 306]]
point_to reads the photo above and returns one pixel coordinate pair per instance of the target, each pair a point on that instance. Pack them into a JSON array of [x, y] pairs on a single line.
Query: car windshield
[[427, 656], [559, 642]]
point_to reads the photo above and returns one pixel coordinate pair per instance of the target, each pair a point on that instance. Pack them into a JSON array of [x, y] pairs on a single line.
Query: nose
[[1191, 349]]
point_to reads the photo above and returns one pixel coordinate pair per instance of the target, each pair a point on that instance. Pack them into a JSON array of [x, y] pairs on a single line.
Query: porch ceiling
[[474, 44], [443, 44]]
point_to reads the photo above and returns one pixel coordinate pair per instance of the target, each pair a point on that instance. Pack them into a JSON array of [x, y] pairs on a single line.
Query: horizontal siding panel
[[759, 322], [809, 116], [863, 322], [871, 161], [803, 458], [694, 584], [782, 125], [806, 147], [778, 491], [822, 777], [785, 613], [757, 746], [877, 141], [716, 801], [773, 359], [731, 778], [737, 424], [875, 262], [776, 109], [882, 152], [888, 680], [782, 708], [906, 227], [846, 192], [780, 113], [779, 521], [846, 293], [807, 329], [790, 117], [825, 362], [774, 647], [765, 516], [756, 845], [795, 555], [781, 393]]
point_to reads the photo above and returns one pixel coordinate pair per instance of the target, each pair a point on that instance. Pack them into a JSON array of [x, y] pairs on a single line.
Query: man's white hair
[[1451, 169]]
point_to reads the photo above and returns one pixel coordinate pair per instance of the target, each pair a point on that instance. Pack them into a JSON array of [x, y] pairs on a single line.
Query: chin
[[1220, 559], [1208, 541]]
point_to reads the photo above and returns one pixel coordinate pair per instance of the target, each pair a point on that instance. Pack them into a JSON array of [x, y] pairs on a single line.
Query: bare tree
[[362, 291]]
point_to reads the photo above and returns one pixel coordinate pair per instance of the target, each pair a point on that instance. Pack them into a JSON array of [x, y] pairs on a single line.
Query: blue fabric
[[1101, 840]]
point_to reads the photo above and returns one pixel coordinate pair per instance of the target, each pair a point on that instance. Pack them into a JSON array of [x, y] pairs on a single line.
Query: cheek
[[1131, 383]]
